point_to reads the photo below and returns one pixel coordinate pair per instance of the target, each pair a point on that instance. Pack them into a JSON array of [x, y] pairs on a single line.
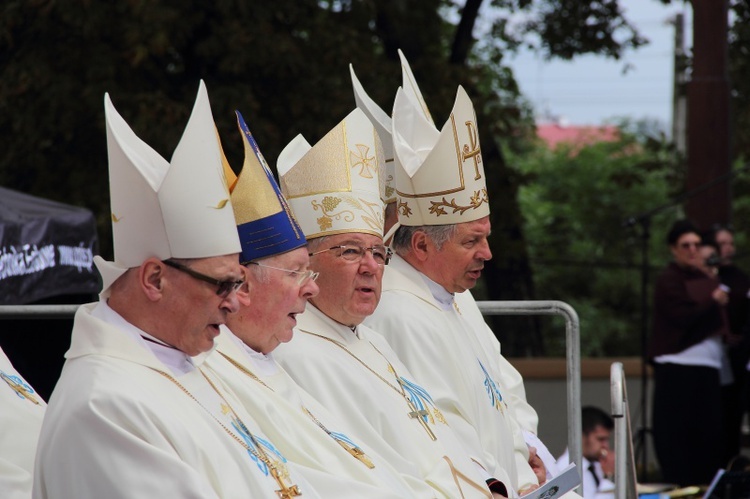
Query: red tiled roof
[[553, 134]]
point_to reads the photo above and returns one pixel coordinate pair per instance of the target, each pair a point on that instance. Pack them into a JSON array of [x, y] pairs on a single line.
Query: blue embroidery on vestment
[[17, 384], [340, 436], [496, 399], [418, 396], [250, 440]]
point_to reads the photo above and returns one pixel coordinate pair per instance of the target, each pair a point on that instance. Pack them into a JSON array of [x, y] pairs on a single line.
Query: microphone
[[713, 261]]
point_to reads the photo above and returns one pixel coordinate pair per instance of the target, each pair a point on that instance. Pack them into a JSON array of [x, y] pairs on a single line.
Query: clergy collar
[[265, 364], [344, 330], [442, 296], [177, 361]]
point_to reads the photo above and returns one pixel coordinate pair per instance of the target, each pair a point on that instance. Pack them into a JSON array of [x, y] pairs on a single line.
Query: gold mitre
[[382, 121], [439, 175], [334, 186], [179, 209]]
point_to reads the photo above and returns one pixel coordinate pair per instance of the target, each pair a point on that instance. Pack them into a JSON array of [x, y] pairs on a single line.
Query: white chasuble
[[356, 375], [510, 379], [21, 413], [121, 424], [461, 371], [304, 432]]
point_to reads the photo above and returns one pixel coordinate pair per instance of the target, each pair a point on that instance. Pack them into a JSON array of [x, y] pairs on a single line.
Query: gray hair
[[314, 245], [438, 234], [261, 275], [258, 274]]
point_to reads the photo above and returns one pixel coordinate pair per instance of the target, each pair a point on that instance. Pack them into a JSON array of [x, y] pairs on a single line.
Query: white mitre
[[179, 209], [382, 121], [334, 186], [439, 174]]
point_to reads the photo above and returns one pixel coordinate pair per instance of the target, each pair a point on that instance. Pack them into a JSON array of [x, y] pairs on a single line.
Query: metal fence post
[[573, 357]]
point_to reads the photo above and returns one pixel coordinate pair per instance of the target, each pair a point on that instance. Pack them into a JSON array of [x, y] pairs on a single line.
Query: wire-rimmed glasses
[[302, 275], [354, 253]]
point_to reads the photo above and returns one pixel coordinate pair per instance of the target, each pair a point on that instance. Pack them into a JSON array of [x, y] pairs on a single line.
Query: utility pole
[[679, 86], [708, 116]]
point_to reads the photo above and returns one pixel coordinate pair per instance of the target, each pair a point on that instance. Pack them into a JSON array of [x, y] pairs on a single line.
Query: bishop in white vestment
[[424, 327], [133, 414], [334, 191], [21, 414], [278, 285], [123, 423], [443, 211]]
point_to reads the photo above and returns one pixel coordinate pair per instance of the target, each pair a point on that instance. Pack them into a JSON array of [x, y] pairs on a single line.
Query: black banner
[[46, 249]]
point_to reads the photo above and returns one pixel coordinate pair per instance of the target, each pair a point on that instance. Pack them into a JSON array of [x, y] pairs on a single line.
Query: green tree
[[283, 65], [576, 203]]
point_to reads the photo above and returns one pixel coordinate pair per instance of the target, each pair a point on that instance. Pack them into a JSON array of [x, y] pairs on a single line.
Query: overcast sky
[[593, 90]]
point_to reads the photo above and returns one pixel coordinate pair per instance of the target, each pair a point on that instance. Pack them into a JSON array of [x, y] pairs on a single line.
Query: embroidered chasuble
[[441, 346], [356, 375], [122, 424], [511, 380], [329, 457], [21, 413]]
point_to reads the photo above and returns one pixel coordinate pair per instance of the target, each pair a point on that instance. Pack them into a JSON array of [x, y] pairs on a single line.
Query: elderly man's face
[[349, 290], [193, 311], [458, 264], [271, 300]]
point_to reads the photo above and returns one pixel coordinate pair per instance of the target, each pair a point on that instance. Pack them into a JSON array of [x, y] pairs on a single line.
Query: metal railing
[[625, 479], [37, 311], [541, 307], [573, 358]]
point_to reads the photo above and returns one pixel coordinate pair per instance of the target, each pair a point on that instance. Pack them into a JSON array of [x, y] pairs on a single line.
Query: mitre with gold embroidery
[[334, 186], [382, 121], [177, 209], [439, 174], [265, 222]]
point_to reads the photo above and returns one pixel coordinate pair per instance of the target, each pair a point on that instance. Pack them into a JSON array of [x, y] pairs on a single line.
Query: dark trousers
[[687, 423], [734, 403]]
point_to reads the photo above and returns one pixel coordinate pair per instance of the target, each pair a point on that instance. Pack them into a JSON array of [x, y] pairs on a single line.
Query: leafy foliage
[[283, 65], [576, 204]]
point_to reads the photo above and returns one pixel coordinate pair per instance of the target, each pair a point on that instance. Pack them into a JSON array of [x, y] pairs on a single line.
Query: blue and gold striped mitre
[[265, 222]]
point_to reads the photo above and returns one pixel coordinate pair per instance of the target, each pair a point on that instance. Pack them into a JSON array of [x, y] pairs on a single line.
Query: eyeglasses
[[353, 253], [223, 288], [689, 245], [302, 275]]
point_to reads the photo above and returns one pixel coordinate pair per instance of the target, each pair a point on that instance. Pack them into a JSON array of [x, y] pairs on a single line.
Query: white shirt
[[605, 489]]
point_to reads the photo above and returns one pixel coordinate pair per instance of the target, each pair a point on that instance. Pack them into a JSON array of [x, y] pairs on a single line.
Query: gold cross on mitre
[[472, 149], [19, 387]]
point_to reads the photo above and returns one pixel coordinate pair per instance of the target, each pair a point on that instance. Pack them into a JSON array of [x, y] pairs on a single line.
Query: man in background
[[598, 459]]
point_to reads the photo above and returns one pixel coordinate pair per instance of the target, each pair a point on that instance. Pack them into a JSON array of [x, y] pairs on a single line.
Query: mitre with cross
[[439, 174], [335, 186]]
